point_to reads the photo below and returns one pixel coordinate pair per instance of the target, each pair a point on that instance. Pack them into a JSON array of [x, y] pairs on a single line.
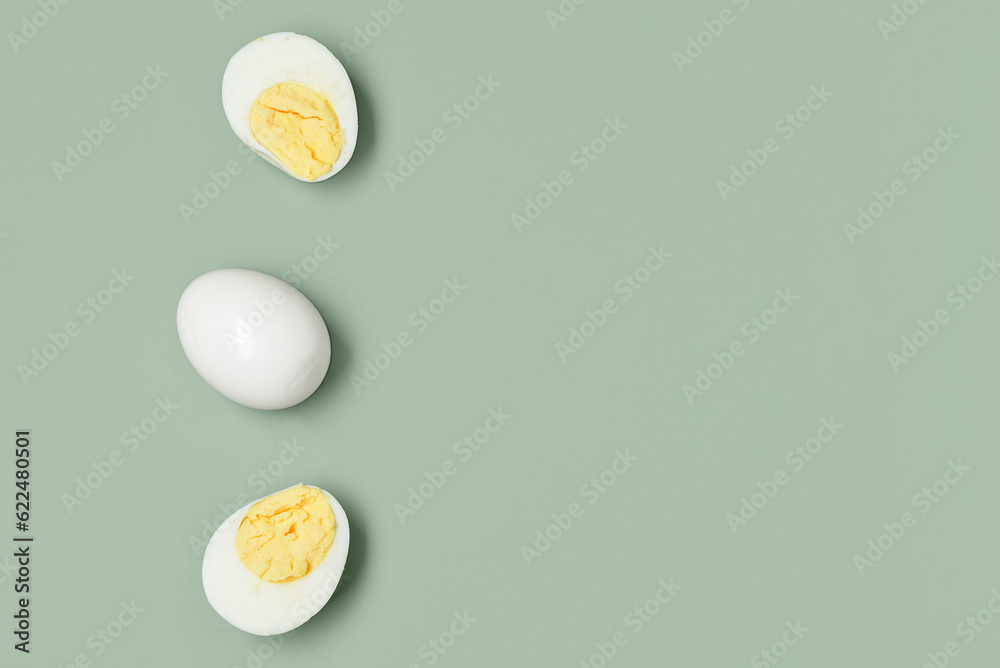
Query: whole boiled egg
[[290, 100], [275, 563], [253, 337]]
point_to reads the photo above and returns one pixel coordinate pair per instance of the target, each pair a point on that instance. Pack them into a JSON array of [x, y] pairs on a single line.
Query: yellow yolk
[[299, 127], [286, 535]]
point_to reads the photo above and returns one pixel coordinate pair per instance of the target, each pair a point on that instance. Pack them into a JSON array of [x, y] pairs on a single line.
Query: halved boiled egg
[[276, 562], [290, 100]]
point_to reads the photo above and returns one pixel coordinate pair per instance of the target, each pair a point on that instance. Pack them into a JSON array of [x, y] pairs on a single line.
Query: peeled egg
[[290, 100], [253, 337], [273, 564]]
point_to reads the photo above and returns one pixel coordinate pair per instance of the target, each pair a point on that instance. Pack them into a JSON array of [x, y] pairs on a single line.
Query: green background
[[666, 517]]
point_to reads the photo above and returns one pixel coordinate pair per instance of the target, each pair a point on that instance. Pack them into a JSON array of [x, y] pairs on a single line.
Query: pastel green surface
[[672, 130]]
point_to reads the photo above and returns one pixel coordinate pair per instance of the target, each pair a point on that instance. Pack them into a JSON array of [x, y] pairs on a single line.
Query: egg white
[[287, 57], [269, 608], [283, 360]]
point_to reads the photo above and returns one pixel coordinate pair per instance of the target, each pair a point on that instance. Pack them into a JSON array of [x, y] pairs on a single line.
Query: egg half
[[273, 564], [290, 100]]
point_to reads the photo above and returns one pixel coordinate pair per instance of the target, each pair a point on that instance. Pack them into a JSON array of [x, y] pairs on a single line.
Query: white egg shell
[[253, 337], [269, 608], [287, 57]]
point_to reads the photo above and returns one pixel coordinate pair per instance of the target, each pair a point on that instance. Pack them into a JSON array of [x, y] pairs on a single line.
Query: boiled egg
[[253, 337], [290, 100], [273, 564]]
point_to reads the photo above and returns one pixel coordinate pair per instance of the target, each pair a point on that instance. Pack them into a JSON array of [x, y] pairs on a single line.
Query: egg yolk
[[299, 127], [286, 535]]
